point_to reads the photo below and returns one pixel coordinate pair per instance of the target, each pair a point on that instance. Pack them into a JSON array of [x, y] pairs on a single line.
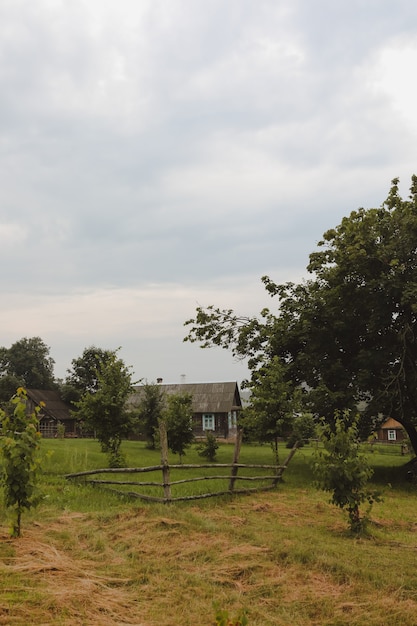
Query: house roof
[[54, 408], [207, 397], [391, 424]]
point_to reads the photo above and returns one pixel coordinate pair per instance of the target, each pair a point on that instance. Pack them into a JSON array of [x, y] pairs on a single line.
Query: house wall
[[221, 427], [48, 427], [383, 435]]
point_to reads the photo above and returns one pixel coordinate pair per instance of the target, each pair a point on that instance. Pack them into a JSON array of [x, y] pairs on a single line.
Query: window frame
[[208, 421]]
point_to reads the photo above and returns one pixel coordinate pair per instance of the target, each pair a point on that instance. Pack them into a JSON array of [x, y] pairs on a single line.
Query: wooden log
[[286, 462], [116, 470], [236, 454], [163, 439], [153, 468]]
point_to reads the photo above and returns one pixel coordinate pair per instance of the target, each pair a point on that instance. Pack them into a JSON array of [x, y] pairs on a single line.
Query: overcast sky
[[160, 154]]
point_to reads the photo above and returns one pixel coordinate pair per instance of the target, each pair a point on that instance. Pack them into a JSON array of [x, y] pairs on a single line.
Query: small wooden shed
[[54, 412], [391, 431]]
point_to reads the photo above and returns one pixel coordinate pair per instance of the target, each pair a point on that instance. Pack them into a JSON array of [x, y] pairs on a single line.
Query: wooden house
[[391, 431], [54, 412], [215, 406]]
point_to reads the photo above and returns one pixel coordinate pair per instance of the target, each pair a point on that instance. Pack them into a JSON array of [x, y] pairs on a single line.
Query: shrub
[[223, 618], [208, 448], [19, 446], [342, 470]]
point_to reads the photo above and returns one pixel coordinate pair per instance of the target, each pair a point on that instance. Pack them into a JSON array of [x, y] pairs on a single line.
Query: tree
[[104, 409], [83, 374], [27, 363], [341, 469], [149, 413], [357, 324], [178, 416], [208, 448], [273, 404], [19, 446], [349, 334], [303, 429]]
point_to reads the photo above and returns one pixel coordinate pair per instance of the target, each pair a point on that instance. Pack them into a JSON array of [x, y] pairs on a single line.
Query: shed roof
[[207, 397], [54, 407], [391, 424]]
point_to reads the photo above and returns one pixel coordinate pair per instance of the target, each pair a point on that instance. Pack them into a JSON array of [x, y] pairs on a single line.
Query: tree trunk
[[412, 433], [274, 446]]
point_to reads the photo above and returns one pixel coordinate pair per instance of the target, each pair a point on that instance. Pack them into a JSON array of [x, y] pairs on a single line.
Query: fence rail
[[165, 468]]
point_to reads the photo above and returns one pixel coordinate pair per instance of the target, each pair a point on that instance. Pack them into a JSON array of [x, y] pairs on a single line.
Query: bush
[[208, 448], [342, 470], [20, 447], [304, 428]]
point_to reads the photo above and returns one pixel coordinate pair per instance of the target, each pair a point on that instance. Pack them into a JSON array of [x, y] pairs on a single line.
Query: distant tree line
[[98, 386]]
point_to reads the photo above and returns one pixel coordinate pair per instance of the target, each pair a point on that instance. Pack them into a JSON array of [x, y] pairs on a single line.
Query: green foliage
[[149, 412], [272, 405], [349, 333], [208, 448], [343, 470], [303, 429], [83, 375], [178, 416], [223, 618], [104, 408], [19, 447], [60, 430], [27, 364]]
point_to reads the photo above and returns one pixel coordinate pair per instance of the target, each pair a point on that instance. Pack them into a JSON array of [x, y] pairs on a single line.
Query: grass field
[[91, 557]]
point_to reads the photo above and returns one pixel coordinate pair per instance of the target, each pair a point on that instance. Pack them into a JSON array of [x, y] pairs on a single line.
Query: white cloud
[[393, 79], [11, 235]]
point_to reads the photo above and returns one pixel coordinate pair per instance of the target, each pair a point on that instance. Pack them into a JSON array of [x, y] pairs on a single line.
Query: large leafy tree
[[105, 408], [83, 374], [349, 334], [27, 363]]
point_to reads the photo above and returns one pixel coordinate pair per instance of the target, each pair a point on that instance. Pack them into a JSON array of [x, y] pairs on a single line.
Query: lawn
[[88, 556]]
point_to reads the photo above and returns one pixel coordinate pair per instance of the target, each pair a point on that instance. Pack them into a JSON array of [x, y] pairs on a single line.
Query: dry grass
[[284, 556], [90, 558]]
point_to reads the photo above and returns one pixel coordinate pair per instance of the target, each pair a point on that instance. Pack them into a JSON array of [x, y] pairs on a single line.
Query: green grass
[[90, 557]]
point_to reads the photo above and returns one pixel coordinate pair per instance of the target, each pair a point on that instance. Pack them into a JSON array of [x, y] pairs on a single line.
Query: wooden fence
[[165, 468]]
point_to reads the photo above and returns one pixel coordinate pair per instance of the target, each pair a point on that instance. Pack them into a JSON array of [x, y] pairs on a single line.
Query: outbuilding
[[391, 431], [53, 411]]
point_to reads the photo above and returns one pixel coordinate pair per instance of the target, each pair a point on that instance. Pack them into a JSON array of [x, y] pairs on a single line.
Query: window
[[392, 435], [232, 419], [208, 421]]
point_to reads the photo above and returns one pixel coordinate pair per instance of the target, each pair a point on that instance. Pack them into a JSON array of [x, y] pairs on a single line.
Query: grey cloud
[[144, 142]]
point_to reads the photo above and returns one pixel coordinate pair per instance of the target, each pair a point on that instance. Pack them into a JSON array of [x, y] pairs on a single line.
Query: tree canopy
[[27, 363], [82, 377], [105, 409], [348, 334], [84, 371], [149, 412], [272, 406], [178, 417]]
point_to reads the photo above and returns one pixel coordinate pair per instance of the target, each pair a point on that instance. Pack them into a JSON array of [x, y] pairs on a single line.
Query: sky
[[158, 155]]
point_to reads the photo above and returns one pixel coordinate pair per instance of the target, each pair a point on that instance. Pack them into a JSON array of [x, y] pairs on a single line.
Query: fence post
[[286, 462], [236, 453], [163, 437]]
